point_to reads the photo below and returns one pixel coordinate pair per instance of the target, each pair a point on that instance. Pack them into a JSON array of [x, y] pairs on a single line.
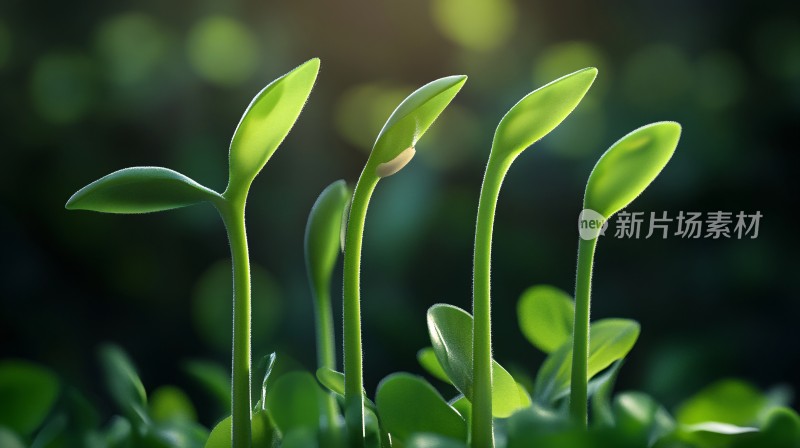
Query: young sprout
[[264, 125], [621, 174], [530, 119], [322, 247], [393, 149]]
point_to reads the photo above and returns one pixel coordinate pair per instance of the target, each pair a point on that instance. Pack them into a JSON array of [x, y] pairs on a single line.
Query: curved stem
[[482, 433], [353, 364], [580, 337], [326, 350], [232, 211]]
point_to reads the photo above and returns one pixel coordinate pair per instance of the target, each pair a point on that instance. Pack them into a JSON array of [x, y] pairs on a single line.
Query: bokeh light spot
[[720, 80], [480, 25], [656, 77], [212, 307], [362, 110], [131, 45], [222, 51], [62, 87], [567, 57]]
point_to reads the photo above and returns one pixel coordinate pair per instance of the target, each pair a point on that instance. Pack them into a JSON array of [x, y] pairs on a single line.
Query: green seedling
[[394, 148], [322, 247], [529, 120], [621, 174], [264, 125], [408, 404], [293, 411]]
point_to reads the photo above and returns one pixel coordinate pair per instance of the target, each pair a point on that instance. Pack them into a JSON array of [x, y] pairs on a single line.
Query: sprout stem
[[580, 338], [353, 364], [232, 212], [482, 433]]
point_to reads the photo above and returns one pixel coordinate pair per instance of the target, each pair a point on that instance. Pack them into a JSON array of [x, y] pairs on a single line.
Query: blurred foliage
[[91, 87]]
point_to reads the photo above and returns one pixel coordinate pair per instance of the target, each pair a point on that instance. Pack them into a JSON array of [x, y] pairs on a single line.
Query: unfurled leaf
[[396, 141], [610, 340], [323, 232], [123, 382], [168, 403], [142, 189], [427, 359], [600, 389], [267, 121], [294, 401], [263, 432], [546, 315], [539, 112], [727, 401], [27, 394], [462, 405], [407, 404], [184, 434], [450, 329], [640, 417], [332, 380], [782, 428], [629, 166]]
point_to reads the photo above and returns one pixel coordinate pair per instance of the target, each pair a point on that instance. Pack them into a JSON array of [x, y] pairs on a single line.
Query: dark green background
[[92, 87]]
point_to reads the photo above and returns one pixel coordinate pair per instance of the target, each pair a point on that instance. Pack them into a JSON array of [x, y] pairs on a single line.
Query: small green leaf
[[546, 315], [532, 426], [141, 189], [610, 340], [220, 436], [332, 380], [427, 359], [782, 428], [450, 329], [373, 435], [122, 380], [176, 433], [396, 141], [294, 402], [600, 389], [27, 394], [408, 404], [639, 416], [629, 166], [267, 121], [539, 112], [462, 405], [323, 232], [214, 378], [432, 441], [727, 401], [262, 429], [168, 403]]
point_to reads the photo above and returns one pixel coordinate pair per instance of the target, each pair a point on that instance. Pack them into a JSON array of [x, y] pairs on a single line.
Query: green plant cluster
[[569, 403]]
